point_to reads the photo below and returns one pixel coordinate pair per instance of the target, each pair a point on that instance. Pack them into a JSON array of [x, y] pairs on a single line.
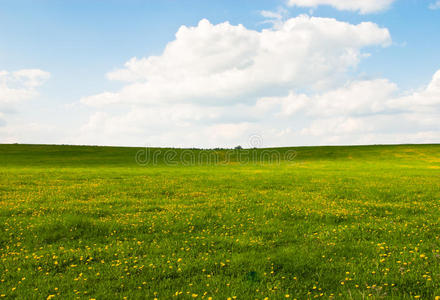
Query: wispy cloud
[[20, 85], [363, 6], [16, 87], [435, 5], [276, 18]]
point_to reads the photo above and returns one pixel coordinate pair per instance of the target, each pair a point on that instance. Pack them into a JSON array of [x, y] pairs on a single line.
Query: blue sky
[[79, 42]]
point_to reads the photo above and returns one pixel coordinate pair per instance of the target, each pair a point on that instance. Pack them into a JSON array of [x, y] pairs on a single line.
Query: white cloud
[[435, 5], [16, 87], [223, 64], [276, 18], [31, 78], [360, 112], [363, 6], [372, 108], [216, 85], [356, 98], [426, 100], [273, 14], [20, 85]]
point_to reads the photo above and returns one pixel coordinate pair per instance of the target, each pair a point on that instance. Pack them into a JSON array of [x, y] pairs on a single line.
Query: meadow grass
[[329, 222]]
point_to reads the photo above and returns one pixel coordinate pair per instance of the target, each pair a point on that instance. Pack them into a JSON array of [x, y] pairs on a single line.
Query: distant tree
[[238, 147]]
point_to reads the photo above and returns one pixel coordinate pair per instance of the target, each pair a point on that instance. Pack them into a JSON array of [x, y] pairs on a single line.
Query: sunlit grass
[[336, 222]]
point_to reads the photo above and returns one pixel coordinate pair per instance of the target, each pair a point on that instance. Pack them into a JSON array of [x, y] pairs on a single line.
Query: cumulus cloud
[[355, 98], [216, 85], [219, 64], [360, 112], [364, 110], [426, 100], [363, 6]]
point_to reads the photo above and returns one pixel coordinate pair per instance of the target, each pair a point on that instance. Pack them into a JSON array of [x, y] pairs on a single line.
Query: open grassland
[[330, 222]]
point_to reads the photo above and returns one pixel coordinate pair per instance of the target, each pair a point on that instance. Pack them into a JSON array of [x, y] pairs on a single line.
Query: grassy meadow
[[358, 222]]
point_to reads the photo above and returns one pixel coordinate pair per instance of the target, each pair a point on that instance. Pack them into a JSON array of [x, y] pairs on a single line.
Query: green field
[[314, 222]]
